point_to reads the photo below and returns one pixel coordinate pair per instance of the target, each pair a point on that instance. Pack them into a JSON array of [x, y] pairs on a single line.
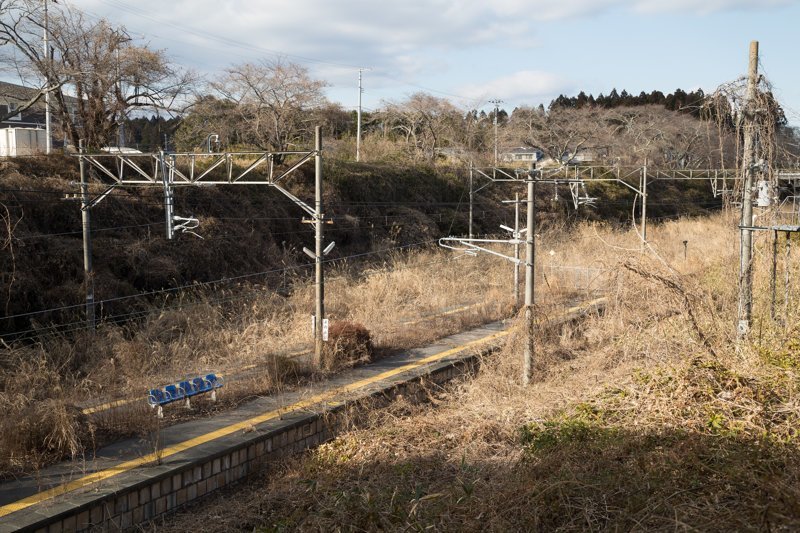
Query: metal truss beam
[[132, 169]]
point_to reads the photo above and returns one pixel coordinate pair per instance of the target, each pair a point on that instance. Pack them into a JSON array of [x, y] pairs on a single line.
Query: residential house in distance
[[13, 96], [528, 156], [522, 155], [586, 155]]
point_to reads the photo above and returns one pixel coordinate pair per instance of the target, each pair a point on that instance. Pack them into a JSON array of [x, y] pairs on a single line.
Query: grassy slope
[[245, 230], [647, 418]]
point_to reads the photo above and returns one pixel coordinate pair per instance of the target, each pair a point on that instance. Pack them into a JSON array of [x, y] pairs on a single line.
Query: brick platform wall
[[152, 499]]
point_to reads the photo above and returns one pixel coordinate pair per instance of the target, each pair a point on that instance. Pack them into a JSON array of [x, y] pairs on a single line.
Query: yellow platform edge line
[[233, 428]]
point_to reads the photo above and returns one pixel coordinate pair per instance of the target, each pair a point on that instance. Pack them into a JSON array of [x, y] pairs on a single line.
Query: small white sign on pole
[[325, 329], [313, 326]]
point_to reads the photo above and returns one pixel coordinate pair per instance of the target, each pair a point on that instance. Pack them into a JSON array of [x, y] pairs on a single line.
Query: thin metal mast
[[496, 112], [644, 206]]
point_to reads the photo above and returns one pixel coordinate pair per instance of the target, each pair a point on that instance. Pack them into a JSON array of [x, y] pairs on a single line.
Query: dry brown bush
[[349, 344]]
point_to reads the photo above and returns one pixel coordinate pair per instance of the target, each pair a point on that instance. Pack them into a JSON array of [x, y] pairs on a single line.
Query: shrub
[[349, 343]]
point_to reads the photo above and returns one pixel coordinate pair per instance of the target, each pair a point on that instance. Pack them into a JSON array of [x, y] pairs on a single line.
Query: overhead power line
[[228, 279], [218, 38]]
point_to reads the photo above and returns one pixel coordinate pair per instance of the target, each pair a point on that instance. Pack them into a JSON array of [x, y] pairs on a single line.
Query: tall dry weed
[[647, 416], [254, 336]]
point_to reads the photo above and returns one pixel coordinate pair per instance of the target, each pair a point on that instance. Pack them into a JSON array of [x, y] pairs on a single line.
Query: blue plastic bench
[[184, 390]]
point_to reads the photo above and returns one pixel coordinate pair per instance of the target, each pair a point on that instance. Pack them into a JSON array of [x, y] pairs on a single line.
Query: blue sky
[[520, 51]]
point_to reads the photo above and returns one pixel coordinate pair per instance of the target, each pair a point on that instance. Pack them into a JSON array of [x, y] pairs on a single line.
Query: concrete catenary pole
[[516, 251], [527, 362], [748, 164], [169, 200], [644, 206], [48, 139], [358, 127], [319, 222], [88, 271], [471, 194]]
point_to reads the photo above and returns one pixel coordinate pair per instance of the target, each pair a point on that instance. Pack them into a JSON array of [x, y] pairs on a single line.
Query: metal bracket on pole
[[578, 199], [99, 198], [469, 247], [325, 252], [186, 225]]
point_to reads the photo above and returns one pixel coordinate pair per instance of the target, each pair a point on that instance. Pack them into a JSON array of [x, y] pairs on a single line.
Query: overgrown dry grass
[[256, 338], [648, 417]]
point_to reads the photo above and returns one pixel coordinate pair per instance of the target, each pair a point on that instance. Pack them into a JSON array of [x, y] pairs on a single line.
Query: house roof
[[12, 92], [16, 93], [522, 150]]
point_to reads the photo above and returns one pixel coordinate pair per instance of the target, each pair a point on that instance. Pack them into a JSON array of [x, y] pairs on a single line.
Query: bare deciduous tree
[[425, 122], [96, 73], [623, 135], [559, 133], [274, 102]]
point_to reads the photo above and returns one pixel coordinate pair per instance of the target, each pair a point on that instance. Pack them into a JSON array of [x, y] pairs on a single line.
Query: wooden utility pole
[[748, 164], [358, 127]]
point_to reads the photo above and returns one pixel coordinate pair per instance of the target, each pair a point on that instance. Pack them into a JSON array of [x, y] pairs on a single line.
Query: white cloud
[[707, 6], [363, 31], [522, 86], [408, 39]]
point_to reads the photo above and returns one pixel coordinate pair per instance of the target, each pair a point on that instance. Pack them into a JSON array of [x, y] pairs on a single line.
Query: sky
[[523, 52]]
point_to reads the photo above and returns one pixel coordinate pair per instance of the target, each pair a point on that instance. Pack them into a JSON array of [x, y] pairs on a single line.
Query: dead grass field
[[256, 340], [648, 418]]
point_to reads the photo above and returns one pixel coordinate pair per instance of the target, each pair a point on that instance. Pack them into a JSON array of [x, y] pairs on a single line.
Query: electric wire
[[227, 279], [81, 325]]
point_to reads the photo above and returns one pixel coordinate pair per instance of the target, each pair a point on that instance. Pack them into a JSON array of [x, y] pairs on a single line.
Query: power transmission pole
[[169, 201], [471, 194], [496, 112], [358, 127], [48, 140], [88, 272], [749, 163], [644, 206], [320, 253], [516, 251], [527, 363]]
